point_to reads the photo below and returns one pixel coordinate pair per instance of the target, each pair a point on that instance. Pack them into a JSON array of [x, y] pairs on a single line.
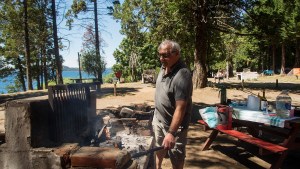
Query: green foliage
[[66, 81], [108, 78], [127, 79], [217, 26], [16, 87], [12, 38], [274, 24], [261, 23], [117, 68], [147, 23], [5, 68], [90, 63], [76, 7], [138, 51]]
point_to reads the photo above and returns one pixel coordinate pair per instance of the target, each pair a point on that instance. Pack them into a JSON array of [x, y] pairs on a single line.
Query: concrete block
[[45, 158], [14, 159], [18, 126]]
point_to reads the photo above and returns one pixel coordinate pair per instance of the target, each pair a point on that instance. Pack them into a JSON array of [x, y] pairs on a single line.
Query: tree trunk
[[52, 72], [79, 68], [43, 28], [97, 45], [263, 60], [38, 73], [188, 61], [200, 73], [297, 57], [27, 48], [42, 68], [273, 56], [282, 72], [21, 74], [58, 60], [45, 70], [270, 58], [227, 70], [230, 68], [132, 74]]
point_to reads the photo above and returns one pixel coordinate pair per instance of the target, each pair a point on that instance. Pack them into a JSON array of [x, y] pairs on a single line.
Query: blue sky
[[109, 30]]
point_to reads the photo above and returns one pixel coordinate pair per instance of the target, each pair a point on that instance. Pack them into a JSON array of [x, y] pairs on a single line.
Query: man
[[173, 105]]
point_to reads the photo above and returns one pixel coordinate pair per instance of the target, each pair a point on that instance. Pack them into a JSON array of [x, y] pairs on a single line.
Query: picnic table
[[247, 75], [83, 80], [259, 124], [92, 82]]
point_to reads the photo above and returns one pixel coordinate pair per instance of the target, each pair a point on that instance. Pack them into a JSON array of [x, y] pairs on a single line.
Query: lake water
[[66, 74]]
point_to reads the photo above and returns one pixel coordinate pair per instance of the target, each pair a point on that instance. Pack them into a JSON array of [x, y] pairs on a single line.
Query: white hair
[[174, 45]]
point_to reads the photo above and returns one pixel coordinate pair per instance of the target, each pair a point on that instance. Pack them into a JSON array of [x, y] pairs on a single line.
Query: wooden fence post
[[242, 84], [115, 89]]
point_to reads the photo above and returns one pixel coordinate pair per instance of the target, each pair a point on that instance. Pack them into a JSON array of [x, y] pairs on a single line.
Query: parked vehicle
[[268, 72]]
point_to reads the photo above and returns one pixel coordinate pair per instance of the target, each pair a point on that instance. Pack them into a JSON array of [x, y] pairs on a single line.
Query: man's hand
[[169, 142]]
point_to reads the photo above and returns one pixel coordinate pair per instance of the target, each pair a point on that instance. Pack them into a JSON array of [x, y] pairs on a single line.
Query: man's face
[[166, 56]]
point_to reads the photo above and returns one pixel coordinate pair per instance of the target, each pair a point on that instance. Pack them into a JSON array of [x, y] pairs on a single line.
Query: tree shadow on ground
[[239, 151], [243, 151], [120, 91], [238, 154], [231, 148], [210, 158]]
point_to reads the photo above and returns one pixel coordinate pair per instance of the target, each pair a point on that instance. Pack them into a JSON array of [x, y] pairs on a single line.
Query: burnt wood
[[97, 157]]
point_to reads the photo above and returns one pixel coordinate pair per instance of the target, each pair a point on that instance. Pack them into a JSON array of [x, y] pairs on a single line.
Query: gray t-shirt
[[176, 85]]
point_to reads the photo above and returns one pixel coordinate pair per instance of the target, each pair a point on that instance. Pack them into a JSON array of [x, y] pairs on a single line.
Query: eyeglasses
[[165, 55]]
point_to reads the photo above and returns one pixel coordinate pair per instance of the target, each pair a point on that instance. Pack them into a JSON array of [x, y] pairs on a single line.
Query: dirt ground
[[224, 153]]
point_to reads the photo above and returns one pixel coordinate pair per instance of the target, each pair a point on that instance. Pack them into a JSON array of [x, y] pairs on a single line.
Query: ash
[[134, 143]]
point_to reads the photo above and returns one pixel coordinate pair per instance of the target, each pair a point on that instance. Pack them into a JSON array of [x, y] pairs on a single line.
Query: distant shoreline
[[67, 74]]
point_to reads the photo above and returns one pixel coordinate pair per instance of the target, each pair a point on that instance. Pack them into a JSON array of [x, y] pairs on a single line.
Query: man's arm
[[178, 115], [169, 140]]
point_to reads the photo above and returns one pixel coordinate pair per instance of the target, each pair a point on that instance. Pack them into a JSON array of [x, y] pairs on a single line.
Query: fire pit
[[126, 128], [106, 140]]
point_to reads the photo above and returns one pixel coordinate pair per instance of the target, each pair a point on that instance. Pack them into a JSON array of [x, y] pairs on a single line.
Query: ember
[[127, 129]]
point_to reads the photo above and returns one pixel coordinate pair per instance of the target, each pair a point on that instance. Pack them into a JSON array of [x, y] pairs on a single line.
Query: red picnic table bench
[[291, 142], [263, 145]]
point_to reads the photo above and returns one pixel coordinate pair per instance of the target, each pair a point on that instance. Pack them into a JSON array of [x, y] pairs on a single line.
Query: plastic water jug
[[283, 104]]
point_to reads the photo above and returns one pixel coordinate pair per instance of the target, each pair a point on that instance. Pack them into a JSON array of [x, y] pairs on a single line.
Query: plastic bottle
[[283, 104], [264, 103]]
